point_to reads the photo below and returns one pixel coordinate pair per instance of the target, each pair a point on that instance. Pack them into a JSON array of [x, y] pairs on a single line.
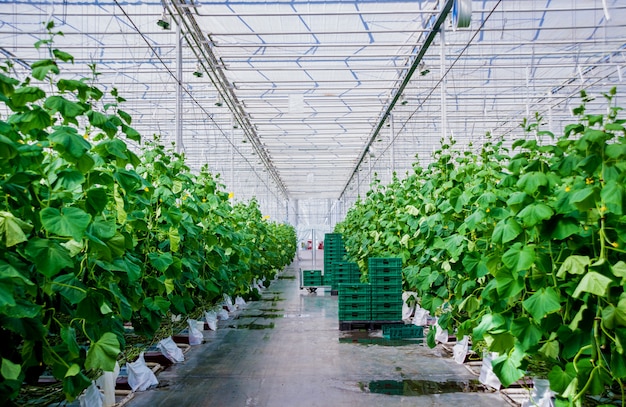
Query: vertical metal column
[[392, 145], [313, 249], [232, 154], [442, 60], [179, 92]]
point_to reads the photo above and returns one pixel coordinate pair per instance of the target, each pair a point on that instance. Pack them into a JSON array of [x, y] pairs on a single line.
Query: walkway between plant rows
[[286, 350]]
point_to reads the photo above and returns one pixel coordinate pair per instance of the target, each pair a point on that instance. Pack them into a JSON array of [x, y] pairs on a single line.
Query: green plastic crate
[[380, 262], [386, 315], [354, 306], [355, 315], [386, 289]]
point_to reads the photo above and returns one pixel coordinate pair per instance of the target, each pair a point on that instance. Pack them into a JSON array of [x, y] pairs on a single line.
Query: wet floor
[[286, 350]]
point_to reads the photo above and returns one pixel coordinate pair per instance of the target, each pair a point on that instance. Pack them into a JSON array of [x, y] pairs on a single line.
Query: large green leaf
[[69, 179], [527, 333], [574, 264], [594, 283], [103, 353], [66, 140], [542, 303], [561, 379], [532, 181], [565, 227], [97, 199], [519, 257], [41, 68], [70, 222], [161, 261], [507, 367], [27, 94], [35, 119], [506, 231], [535, 213], [68, 109], [13, 229], [49, 256], [69, 287], [10, 370], [584, 199]]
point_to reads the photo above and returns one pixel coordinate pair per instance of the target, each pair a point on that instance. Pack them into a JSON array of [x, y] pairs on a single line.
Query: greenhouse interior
[[378, 202]]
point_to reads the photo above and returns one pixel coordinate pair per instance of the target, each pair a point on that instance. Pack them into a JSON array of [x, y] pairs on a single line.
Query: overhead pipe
[[443, 14]]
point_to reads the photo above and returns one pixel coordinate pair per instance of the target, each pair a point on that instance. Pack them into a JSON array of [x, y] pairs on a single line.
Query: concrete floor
[[287, 350]]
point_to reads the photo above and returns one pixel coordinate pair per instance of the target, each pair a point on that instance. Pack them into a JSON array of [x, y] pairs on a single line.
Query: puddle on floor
[[422, 387], [375, 338]]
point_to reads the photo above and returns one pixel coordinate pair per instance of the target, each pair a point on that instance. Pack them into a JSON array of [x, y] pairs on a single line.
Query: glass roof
[[307, 100]]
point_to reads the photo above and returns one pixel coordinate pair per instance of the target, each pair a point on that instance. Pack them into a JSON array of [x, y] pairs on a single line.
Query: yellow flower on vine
[[146, 189], [589, 181], [615, 244], [487, 210], [231, 195], [568, 188]]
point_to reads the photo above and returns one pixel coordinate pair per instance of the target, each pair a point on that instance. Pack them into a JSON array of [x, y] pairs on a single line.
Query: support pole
[[442, 60], [179, 92]]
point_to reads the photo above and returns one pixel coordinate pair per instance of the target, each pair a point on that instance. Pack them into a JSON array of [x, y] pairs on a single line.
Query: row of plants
[[95, 237], [522, 249]]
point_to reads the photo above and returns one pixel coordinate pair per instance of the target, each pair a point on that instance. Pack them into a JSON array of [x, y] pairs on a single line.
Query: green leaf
[[613, 196], [70, 222], [70, 287], [27, 94], [519, 257], [41, 68], [69, 179], [13, 229], [66, 140], [8, 272], [103, 353], [68, 334], [489, 322], [97, 199], [161, 261], [63, 56], [574, 264], [594, 283], [35, 119], [551, 349], [561, 379], [527, 333], [10, 370], [506, 231], [48, 256], [535, 213], [565, 228], [584, 199], [68, 109], [532, 181], [131, 133], [500, 342], [542, 303], [507, 367], [125, 116], [73, 370]]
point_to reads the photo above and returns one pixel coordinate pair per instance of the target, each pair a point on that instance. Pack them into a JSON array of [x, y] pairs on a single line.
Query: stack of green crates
[[355, 302], [312, 278], [334, 251], [344, 272], [385, 277]]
